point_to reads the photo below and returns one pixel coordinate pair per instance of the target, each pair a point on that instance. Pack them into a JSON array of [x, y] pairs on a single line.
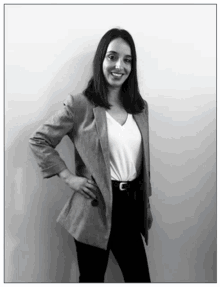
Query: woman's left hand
[[149, 218]]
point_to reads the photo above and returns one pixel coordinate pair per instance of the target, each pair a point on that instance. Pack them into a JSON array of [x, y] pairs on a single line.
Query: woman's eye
[[128, 61], [111, 57]]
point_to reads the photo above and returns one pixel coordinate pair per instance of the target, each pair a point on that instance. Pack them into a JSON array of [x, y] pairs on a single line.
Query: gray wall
[[49, 51]]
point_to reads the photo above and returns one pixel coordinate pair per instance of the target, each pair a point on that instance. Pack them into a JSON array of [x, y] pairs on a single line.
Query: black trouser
[[125, 242]]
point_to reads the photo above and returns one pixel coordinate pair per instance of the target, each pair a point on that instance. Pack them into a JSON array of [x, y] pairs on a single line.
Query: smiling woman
[[108, 125]]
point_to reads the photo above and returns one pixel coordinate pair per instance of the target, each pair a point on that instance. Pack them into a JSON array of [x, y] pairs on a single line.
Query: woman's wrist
[[65, 175]]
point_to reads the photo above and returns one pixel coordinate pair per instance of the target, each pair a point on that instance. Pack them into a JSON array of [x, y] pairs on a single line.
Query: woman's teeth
[[117, 75]]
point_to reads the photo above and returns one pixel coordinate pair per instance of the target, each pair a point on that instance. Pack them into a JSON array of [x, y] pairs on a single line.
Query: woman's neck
[[114, 97]]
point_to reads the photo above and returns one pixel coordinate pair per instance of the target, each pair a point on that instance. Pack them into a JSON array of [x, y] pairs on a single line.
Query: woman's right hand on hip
[[86, 187]]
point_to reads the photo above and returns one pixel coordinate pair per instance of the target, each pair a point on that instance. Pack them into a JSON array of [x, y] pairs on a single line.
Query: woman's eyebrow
[[114, 52]]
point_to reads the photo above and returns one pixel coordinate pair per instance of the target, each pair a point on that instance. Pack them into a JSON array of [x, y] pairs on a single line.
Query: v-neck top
[[125, 144]]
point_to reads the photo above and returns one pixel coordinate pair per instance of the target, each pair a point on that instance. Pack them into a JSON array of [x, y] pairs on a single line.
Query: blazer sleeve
[[45, 139], [147, 115]]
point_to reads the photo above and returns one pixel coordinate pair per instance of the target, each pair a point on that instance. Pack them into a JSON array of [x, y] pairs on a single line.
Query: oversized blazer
[[86, 126]]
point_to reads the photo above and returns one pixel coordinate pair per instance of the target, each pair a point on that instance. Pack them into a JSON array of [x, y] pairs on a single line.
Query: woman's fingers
[[91, 182], [91, 186], [88, 192]]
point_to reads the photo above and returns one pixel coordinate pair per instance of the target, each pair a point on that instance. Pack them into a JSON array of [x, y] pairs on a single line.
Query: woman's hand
[[86, 187], [82, 185]]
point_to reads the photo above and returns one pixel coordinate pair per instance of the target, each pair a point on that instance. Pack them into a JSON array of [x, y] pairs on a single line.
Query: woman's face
[[117, 63]]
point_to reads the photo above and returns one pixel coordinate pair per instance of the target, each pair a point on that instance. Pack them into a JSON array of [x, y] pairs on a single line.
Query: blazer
[[86, 126]]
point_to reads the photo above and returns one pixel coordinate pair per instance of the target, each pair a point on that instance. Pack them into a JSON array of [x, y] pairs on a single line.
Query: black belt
[[125, 185]]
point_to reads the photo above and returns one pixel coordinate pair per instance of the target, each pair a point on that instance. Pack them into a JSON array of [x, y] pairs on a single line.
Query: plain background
[[48, 53]]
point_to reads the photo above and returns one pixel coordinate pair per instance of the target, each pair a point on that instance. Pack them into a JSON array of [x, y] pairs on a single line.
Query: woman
[[108, 125]]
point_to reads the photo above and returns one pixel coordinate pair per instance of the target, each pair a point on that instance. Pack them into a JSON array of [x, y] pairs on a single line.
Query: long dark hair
[[97, 88]]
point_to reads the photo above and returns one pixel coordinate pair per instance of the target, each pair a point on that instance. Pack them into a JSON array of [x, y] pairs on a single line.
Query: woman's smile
[[117, 75]]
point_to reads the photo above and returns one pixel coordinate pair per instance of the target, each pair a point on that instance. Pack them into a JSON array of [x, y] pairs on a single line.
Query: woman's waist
[[129, 185]]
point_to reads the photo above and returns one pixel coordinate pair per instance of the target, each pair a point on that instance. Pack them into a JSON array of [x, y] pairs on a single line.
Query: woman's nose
[[118, 64]]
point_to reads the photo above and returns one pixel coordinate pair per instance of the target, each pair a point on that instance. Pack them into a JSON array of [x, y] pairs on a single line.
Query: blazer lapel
[[142, 123], [101, 125]]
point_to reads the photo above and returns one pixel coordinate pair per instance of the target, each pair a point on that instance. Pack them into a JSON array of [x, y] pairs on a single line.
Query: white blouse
[[125, 146]]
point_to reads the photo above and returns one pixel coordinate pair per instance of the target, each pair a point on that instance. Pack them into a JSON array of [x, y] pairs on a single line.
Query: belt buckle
[[121, 185]]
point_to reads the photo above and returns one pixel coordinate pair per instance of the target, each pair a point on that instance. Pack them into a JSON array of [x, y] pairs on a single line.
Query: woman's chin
[[113, 84]]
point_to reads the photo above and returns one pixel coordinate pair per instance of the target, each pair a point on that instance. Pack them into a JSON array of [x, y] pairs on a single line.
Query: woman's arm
[[44, 141]]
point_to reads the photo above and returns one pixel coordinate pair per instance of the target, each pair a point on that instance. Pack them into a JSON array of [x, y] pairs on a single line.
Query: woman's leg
[[92, 262], [130, 254], [126, 242]]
